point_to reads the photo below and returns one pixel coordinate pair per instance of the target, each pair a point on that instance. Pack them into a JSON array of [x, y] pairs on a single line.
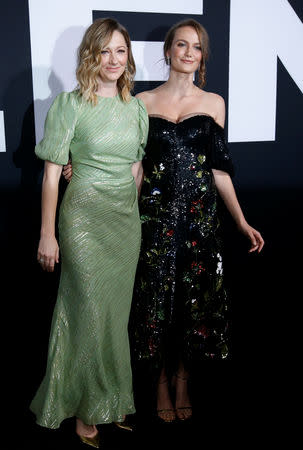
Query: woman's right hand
[[68, 171], [48, 253]]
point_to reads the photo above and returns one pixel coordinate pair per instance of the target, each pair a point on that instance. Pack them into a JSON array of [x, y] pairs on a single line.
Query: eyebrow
[[184, 40], [119, 46]]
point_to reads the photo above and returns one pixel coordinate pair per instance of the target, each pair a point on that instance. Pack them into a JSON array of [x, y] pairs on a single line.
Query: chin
[[186, 71], [112, 76]]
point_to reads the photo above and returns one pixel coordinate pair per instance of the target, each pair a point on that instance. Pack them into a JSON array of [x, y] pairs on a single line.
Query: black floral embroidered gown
[[180, 305]]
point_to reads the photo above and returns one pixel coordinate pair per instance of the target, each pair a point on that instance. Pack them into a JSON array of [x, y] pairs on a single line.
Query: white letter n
[[2, 133], [259, 32]]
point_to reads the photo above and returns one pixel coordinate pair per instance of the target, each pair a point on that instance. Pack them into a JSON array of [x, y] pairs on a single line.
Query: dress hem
[[112, 419]]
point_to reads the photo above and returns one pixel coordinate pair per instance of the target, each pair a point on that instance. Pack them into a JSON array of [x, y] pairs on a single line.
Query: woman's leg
[[183, 404], [82, 429], [165, 407]]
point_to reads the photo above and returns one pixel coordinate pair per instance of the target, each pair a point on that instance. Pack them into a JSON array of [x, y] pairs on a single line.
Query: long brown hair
[[203, 39], [95, 39]]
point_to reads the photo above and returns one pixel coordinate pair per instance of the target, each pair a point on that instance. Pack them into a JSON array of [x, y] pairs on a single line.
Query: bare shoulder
[[142, 95], [216, 104], [148, 97], [215, 100]]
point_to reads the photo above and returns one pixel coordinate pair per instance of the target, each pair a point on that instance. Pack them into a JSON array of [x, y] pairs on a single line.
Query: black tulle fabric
[[180, 307]]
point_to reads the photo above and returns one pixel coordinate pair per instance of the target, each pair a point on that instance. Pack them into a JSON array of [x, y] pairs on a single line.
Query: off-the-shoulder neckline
[[184, 118]]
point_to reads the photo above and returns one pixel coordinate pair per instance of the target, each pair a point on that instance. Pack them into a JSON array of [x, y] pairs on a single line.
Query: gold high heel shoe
[[92, 441], [124, 425]]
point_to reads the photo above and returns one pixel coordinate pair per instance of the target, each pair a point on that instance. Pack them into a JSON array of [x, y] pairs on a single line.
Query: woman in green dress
[[104, 130]]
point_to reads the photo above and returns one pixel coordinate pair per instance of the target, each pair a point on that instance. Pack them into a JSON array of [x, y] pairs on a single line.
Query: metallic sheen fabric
[[88, 371], [180, 305]]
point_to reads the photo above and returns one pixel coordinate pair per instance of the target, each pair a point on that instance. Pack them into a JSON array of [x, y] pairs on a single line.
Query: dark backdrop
[[264, 288]]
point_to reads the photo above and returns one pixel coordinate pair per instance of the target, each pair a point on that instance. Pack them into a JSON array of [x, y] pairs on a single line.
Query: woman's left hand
[[257, 242], [67, 171]]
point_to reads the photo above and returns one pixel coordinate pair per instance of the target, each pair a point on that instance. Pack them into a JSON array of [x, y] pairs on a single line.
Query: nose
[[188, 51], [113, 58]]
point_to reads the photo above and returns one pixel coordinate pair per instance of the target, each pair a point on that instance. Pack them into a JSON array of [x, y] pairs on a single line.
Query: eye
[[121, 50], [104, 52], [198, 48], [180, 44]]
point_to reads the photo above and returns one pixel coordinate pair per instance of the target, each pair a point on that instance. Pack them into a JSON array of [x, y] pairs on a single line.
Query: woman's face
[[185, 52], [114, 58]]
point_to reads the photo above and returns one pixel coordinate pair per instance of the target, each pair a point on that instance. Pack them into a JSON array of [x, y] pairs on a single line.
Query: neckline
[[114, 96], [182, 118]]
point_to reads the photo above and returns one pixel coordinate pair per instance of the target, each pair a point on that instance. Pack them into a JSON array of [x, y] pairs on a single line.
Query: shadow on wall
[[151, 60], [50, 81], [60, 76], [31, 289]]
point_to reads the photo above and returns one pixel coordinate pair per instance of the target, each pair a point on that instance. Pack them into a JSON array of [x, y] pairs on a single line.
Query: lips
[[112, 69], [186, 61]]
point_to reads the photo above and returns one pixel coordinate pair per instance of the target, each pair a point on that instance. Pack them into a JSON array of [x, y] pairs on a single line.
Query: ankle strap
[[181, 378]]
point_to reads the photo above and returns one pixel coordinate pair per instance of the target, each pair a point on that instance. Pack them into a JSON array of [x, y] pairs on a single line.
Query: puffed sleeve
[[143, 126], [219, 156], [58, 129]]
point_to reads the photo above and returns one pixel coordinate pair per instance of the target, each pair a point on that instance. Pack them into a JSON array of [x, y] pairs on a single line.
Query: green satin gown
[[88, 372]]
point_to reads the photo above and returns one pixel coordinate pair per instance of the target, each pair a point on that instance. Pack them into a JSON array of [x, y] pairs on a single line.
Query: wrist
[[47, 234], [241, 222]]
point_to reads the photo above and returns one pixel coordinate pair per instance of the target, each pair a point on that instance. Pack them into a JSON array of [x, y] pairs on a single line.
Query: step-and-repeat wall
[[256, 64]]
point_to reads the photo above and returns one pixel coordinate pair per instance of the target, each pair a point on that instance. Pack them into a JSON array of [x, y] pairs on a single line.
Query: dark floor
[[211, 423], [234, 402]]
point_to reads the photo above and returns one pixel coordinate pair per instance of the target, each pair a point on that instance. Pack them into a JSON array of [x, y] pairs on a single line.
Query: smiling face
[[113, 58], [185, 52]]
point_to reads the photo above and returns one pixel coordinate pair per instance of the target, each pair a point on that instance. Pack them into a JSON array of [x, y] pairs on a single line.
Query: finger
[[261, 245], [253, 242], [67, 165], [51, 265], [260, 240], [41, 260], [46, 265], [57, 256], [66, 170]]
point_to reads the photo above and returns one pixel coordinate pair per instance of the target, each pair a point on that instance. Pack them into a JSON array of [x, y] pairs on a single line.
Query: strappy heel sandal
[[180, 409], [168, 414]]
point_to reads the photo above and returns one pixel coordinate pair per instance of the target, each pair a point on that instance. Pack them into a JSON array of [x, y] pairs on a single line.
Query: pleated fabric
[[88, 371]]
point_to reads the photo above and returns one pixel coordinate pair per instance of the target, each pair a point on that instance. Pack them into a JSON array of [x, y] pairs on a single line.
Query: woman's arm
[[137, 171], [48, 250], [227, 192]]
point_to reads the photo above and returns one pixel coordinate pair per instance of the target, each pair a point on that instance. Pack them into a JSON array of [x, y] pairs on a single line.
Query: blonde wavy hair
[[95, 39], [204, 43]]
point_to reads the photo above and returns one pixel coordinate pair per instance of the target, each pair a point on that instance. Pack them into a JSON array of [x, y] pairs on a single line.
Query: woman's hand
[[68, 171], [48, 253], [253, 235], [226, 190], [137, 172]]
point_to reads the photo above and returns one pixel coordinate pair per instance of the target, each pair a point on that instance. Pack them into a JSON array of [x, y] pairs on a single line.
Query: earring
[[167, 60]]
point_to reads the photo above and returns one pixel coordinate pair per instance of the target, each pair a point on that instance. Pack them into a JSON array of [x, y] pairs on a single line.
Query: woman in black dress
[[180, 305]]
